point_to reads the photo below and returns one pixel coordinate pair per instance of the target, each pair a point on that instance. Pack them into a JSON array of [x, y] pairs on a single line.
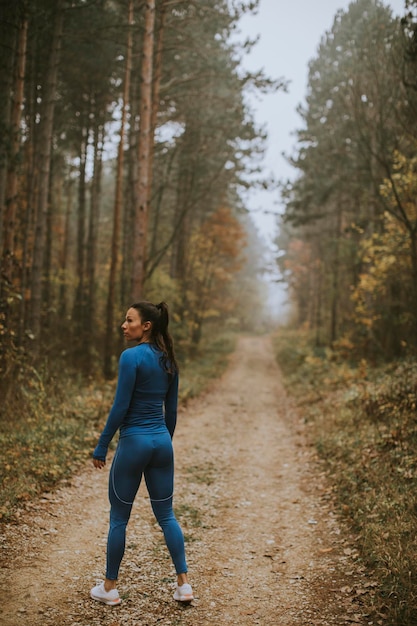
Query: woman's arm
[[171, 405], [124, 391]]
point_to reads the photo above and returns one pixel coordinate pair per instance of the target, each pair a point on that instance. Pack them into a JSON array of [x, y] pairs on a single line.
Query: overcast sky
[[290, 32]]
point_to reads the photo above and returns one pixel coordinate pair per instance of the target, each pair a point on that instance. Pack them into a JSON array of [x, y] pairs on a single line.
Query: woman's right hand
[[98, 464]]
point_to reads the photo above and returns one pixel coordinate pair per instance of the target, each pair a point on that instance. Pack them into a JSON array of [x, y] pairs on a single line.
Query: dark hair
[[157, 314]]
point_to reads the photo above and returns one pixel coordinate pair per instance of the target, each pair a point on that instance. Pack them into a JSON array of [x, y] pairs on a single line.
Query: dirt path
[[263, 543]]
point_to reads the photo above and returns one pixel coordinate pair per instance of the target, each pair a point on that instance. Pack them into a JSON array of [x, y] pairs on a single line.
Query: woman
[[145, 411]]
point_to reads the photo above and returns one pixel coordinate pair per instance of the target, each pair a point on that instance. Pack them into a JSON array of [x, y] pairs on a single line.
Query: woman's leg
[[159, 476], [174, 538], [124, 480]]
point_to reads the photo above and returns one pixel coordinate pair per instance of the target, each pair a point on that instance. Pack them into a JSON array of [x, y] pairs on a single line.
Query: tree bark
[[114, 264], [157, 75], [63, 259], [46, 283], [79, 301], [12, 171], [93, 229], [27, 227], [44, 160], [334, 309], [184, 201], [9, 24], [144, 155], [413, 253]]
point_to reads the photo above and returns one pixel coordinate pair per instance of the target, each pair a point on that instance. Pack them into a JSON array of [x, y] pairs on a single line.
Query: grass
[[364, 424], [208, 362], [189, 515], [49, 425], [46, 432], [205, 473]]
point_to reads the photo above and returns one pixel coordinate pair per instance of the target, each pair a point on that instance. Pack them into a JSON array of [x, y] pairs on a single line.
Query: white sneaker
[[183, 593], [108, 597]]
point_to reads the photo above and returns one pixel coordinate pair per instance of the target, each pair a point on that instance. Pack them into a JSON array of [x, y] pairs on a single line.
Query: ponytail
[[169, 359], [163, 317], [158, 315]]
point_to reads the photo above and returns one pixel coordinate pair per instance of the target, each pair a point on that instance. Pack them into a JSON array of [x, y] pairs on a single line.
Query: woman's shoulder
[[137, 352], [131, 354]]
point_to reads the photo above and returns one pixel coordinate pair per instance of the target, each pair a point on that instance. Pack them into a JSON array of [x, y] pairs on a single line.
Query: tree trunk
[[46, 284], [154, 120], [114, 264], [184, 200], [335, 279], [130, 200], [157, 75], [79, 300], [93, 230], [63, 296], [144, 155], [27, 227], [413, 251], [44, 160], [154, 255], [9, 24], [12, 170]]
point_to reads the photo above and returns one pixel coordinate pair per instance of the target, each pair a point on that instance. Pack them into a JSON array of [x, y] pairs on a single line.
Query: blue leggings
[[151, 455]]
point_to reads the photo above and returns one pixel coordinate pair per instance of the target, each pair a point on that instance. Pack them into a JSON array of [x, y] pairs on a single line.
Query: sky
[[289, 35]]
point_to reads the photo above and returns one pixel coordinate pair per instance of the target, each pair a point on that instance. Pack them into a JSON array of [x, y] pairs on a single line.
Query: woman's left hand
[[98, 464]]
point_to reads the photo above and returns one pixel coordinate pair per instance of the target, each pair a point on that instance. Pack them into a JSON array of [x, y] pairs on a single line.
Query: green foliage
[[214, 258], [204, 473], [47, 429], [162, 287], [189, 515], [206, 363], [364, 423], [394, 396], [384, 308], [292, 354], [350, 214]]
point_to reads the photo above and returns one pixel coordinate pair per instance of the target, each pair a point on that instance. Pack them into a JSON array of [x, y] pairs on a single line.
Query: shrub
[[364, 424]]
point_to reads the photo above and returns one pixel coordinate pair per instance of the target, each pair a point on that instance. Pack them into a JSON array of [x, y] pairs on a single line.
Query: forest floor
[[264, 544]]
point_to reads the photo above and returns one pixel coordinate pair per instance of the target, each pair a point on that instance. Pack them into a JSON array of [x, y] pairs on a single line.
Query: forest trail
[[263, 542]]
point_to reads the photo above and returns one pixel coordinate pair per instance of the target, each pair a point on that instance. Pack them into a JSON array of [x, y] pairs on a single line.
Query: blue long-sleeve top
[[146, 397]]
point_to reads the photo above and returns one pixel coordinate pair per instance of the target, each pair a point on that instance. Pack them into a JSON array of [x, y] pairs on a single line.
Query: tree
[[184, 150], [145, 147], [215, 257], [12, 177], [44, 163], [117, 214], [352, 128]]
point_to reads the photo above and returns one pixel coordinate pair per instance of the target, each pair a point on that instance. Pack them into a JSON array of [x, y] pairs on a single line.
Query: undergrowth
[[206, 363], [47, 428], [364, 424], [49, 425]]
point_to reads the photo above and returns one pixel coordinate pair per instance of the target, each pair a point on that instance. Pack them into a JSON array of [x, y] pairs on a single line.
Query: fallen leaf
[[325, 550]]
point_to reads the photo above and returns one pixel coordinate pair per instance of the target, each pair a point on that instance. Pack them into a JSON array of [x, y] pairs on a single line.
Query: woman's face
[[133, 327]]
